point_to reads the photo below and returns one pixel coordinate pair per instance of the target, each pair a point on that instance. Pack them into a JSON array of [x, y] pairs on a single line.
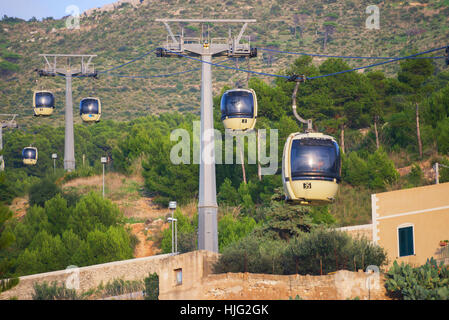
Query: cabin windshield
[[29, 153], [89, 106], [315, 157], [237, 104], [45, 100]]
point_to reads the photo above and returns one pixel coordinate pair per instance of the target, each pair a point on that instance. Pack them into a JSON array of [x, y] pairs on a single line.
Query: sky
[[26, 9]]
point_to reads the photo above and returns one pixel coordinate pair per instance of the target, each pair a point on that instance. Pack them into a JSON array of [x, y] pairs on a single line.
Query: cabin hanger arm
[[298, 80]]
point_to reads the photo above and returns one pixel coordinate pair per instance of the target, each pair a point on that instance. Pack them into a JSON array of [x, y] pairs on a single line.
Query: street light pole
[[437, 171], [437, 174], [172, 207], [104, 160], [54, 157], [176, 235]]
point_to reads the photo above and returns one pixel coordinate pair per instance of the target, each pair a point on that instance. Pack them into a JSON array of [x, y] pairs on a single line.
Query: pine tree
[[6, 240]]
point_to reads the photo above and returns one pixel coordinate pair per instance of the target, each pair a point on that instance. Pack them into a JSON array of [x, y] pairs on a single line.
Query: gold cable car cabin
[[29, 156], [43, 103], [239, 109], [311, 168], [90, 109]]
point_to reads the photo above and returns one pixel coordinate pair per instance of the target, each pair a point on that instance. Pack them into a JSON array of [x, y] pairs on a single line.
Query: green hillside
[[127, 32], [391, 123]]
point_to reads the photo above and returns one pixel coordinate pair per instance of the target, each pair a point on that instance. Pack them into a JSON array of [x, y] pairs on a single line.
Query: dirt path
[[148, 234], [19, 206]]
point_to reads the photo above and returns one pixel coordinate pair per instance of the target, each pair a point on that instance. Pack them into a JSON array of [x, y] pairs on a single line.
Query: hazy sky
[[26, 9]]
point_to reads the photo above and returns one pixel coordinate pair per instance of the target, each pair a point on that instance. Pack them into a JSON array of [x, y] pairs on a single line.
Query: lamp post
[[104, 160], [54, 156], [172, 207], [436, 167], [174, 221]]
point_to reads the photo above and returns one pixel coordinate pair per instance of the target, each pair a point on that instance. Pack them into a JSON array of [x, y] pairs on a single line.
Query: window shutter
[[406, 242]]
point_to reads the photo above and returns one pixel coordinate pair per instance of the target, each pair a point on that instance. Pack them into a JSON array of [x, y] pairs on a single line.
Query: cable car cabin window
[[45, 100], [29, 154], [237, 104], [312, 157], [89, 106]]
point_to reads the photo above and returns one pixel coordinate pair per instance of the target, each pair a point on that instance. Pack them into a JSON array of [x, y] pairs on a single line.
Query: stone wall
[[246, 286], [195, 265], [364, 230], [198, 282]]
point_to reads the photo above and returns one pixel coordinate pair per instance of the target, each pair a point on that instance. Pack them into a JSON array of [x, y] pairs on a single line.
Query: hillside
[[145, 219], [121, 34]]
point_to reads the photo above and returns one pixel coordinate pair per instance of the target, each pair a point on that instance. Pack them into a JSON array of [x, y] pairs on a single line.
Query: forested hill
[[391, 122], [118, 36]]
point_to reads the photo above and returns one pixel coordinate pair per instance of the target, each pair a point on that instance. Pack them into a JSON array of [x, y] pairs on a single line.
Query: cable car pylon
[[11, 123], [68, 71], [207, 48]]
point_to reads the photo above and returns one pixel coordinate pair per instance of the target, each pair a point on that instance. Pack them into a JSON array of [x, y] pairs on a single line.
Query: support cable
[[295, 77], [343, 57]]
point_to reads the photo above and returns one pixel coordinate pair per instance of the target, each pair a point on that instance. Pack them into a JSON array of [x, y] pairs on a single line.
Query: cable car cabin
[[43, 103], [311, 168], [90, 109], [29, 156], [239, 109]]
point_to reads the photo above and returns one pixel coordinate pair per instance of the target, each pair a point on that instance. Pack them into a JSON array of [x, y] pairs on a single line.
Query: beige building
[[410, 223]]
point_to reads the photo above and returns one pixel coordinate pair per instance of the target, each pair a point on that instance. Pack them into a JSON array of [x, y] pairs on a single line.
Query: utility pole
[[206, 48], [82, 69], [11, 123]]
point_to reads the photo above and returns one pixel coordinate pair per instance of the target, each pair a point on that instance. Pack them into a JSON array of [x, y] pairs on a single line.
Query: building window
[[178, 273], [406, 244]]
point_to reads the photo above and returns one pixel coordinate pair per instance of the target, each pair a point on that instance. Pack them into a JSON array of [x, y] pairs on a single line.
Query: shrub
[[152, 287], [443, 135], [57, 235], [231, 229], [42, 191], [416, 175], [79, 173], [318, 252], [322, 251], [244, 256], [376, 172], [7, 191], [427, 282], [228, 194], [119, 286], [54, 291]]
